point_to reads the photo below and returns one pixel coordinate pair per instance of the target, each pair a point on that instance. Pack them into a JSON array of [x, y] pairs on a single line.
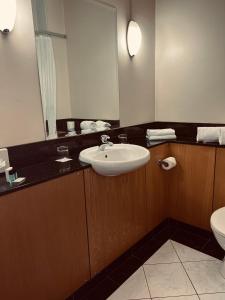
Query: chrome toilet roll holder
[[161, 163]]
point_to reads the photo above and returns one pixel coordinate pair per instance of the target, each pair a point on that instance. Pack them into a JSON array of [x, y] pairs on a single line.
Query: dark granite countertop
[[41, 172]]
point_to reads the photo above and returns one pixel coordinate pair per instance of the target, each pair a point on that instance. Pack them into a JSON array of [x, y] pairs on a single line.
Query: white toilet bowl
[[218, 227]]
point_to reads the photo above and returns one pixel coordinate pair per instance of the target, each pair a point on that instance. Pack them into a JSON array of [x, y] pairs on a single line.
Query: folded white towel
[[222, 136], [86, 131], [88, 125], [2, 165], [155, 132], [99, 129], [103, 124], [161, 137], [71, 133], [208, 134]]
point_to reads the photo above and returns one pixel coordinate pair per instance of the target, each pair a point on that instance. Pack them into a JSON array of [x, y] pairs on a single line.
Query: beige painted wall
[[190, 60], [136, 76], [91, 29], [55, 16], [20, 106]]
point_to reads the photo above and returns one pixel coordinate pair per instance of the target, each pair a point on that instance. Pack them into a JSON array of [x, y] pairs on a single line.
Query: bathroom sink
[[115, 160]]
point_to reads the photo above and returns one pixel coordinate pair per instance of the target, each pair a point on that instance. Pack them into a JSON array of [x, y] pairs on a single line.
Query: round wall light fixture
[[7, 15], [134, 38]]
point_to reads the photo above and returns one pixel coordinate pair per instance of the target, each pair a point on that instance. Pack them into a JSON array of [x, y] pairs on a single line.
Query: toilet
[[218, 227]]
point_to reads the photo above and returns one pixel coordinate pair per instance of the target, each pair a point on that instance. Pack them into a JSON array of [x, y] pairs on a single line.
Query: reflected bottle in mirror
[[63, 151], [123, 138]]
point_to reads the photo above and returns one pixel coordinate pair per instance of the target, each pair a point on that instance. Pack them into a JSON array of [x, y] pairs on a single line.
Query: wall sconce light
[[7, 15], [134, 38]]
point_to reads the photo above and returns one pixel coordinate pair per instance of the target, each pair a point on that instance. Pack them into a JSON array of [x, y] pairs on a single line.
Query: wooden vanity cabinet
[[219, 189], [116, 215], [157, 187], [191, 184], [43, 235]]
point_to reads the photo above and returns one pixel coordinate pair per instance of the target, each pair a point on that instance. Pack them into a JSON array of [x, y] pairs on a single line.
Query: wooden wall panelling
[[116, 213], [219, 189], [43, 234], [157, 181], [191, 184]]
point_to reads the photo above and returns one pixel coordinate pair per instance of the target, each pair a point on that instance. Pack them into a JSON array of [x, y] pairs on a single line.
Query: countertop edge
[[6, 189]]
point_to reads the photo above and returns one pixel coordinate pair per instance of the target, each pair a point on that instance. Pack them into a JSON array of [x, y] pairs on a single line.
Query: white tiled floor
[[175, 272]]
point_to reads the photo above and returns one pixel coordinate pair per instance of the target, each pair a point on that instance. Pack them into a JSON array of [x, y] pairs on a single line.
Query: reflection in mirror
[[77, 56]]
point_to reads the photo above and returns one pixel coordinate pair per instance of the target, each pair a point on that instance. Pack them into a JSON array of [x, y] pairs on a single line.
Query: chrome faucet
[[105, 142]]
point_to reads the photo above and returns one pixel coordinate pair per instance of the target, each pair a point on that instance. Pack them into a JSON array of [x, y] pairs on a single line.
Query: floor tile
[[166, 254], [205, 276], [194, 297], [166, 280], [212, 297], [188, 254], [134, 288]]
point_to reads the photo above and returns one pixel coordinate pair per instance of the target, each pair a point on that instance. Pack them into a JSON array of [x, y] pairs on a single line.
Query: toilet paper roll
[[169, 163]]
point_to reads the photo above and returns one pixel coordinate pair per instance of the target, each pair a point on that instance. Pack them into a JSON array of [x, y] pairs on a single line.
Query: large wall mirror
[[76, 42]]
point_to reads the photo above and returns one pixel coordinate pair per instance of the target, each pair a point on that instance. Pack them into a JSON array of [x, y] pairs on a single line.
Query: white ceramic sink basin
[[115, 160]]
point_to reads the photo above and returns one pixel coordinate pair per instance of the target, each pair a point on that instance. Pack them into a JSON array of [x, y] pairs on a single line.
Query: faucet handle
[[105, 138]]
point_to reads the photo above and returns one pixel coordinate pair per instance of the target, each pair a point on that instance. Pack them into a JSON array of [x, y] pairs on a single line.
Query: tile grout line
[[141, 299], [169, 297], [188, 261], [185, 270], [147, 282], [219, 293]]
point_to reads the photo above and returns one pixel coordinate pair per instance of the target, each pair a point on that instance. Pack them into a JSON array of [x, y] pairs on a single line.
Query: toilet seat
[[218, 221]]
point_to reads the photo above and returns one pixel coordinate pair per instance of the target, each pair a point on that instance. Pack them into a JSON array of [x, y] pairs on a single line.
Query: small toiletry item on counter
[[63, 160], [122, 138], [63, 151], [11, 175], [4, 157], [70, 126], [19, 180]]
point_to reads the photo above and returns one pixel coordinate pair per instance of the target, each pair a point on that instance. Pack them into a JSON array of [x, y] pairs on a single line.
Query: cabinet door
[[191, 184], [43, 234], [116, 214], [157, 187], [219, 191]]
